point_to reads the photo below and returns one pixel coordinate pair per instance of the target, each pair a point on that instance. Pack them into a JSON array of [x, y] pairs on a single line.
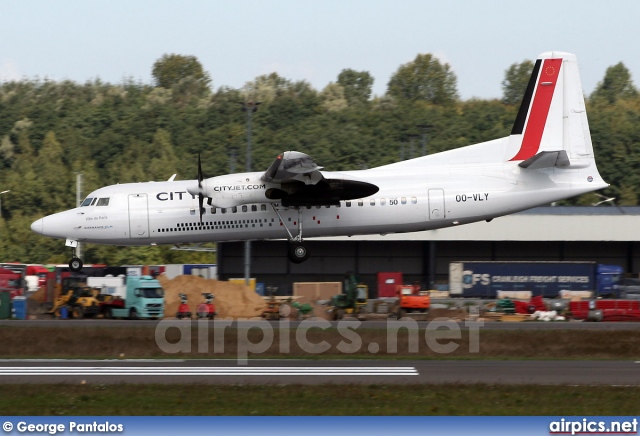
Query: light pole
[[249, 107]]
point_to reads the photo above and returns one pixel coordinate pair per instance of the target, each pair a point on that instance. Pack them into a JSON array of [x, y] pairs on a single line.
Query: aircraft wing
[[293, 165], [302, 183]]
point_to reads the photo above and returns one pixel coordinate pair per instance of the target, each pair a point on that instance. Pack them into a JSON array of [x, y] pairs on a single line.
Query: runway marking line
[[191, 371]]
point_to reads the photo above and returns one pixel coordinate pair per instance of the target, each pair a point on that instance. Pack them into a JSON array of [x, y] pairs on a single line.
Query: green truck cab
[[144, 299]]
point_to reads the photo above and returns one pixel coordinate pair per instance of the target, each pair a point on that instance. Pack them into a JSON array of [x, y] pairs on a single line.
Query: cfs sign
[[469, 279]]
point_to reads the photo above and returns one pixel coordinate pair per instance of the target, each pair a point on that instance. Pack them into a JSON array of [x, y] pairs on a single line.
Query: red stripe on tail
[[539, 109]]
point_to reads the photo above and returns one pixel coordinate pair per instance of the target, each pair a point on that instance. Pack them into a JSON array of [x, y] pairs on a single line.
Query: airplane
[[547, 157]]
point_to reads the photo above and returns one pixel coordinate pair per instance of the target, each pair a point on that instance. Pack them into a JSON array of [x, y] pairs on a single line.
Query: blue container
[[64, 312], [260, 289], [20, 307]]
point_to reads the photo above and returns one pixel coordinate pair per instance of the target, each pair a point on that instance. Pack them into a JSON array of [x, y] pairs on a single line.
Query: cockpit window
[[87, 202], [103, 202]]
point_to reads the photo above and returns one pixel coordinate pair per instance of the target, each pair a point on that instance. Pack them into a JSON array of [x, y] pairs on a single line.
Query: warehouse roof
[[559, 223]]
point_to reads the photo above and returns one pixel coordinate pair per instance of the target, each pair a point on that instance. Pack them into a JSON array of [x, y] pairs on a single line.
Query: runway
[[374, 324], [309, 372]]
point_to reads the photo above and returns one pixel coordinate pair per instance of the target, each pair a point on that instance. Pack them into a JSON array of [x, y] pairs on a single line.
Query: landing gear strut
[[75, 264], [298, 250]]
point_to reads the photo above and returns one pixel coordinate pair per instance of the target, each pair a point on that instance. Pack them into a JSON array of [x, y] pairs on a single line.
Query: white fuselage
[[413, 196]]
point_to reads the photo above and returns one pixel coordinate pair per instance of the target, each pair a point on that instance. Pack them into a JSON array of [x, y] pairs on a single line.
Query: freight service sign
[[485, 279]]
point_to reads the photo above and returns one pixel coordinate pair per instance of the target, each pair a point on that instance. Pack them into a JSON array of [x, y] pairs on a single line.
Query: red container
[[387, 283]]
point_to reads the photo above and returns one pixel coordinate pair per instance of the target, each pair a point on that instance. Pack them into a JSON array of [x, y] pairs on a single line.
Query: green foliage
[[617, 84], [184, 74], [424, 79], [132, 132], [515, 82], [357, 85]]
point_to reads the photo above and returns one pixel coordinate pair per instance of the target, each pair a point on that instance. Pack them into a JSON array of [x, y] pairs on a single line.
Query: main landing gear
[[298, 250], [75, 264]]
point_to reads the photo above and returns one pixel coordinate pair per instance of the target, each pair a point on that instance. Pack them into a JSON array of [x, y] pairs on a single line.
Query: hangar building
[[604, 234]]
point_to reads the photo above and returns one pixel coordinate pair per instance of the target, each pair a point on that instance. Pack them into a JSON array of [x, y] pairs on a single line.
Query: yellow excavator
[[80, 300]]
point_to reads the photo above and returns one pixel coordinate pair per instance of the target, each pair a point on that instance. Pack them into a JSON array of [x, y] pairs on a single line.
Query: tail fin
[[551, 128]]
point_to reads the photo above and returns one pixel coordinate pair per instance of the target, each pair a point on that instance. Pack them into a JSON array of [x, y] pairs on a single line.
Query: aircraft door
[[436, 204], [138, 216]]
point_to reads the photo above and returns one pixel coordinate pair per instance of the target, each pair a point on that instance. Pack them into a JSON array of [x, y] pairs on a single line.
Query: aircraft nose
[[38, 226]]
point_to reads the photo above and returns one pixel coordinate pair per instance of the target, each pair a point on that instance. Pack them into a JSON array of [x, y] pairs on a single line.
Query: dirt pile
[[232, 300]]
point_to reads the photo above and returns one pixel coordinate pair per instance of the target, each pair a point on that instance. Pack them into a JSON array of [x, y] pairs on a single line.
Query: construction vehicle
[[412, 301], [272, 310], [353, 302], [206, 309], [144, 299], [80, 300], [183, 309]]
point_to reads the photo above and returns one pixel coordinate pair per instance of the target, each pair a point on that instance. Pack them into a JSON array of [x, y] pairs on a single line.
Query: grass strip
[[295, 400]]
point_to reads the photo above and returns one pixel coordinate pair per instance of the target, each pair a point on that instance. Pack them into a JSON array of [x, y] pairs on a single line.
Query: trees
[[356, 85], [425, 78], [514, 85], [185, 73], [616, 84]]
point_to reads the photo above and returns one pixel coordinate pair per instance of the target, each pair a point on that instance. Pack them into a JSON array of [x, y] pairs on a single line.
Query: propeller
[[200, 196]]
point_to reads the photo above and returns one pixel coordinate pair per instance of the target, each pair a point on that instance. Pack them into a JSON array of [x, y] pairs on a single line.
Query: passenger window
[[360, 203], [244, 208], [404, 200], [223, 210], [263, 207], [383, 201], [414, 200], [103, 202], [254, 208], [234, 209], [87, 202], [372, 202], [213, 210], [348, 203]]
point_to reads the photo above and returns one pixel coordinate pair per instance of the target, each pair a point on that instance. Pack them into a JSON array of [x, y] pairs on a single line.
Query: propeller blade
[[200, 196], [200, 205]]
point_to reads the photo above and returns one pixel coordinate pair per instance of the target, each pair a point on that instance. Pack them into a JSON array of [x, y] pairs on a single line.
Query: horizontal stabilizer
[[546, 159]]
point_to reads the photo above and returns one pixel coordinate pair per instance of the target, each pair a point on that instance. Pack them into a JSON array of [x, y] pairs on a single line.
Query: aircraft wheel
[[75, 264], [298, 252]]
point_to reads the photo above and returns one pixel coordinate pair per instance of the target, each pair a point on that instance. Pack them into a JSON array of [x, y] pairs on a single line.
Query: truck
[[546, 279], [11, 282], [143, 298]]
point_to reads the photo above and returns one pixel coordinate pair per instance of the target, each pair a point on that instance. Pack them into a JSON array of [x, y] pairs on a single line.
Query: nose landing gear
[[75, 264]]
